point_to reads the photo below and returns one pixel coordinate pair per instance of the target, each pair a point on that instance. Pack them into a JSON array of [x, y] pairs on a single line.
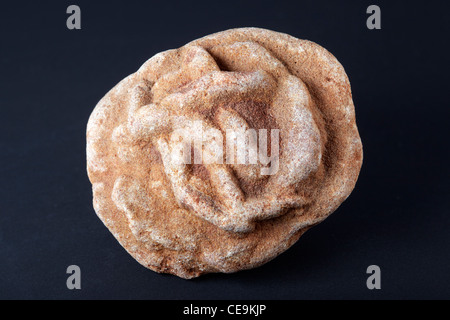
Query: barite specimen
[[163, 167]]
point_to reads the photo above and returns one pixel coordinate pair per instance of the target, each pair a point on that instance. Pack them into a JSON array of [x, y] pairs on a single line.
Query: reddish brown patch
[[200, 171]]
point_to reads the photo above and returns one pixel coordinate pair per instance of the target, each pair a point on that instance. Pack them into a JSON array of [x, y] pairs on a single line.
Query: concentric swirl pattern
[[186, 217]]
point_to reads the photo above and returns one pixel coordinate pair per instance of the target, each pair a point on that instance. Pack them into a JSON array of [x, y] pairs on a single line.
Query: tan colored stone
[[189, 220]]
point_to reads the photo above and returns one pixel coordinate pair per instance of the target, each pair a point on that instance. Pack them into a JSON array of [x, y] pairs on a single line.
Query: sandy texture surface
[[191, 219]]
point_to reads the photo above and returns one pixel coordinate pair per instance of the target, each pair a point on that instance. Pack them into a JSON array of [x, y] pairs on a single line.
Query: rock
[[219, 155]]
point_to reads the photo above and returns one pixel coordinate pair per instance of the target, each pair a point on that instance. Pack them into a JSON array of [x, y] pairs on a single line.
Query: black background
[[397, 217]]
